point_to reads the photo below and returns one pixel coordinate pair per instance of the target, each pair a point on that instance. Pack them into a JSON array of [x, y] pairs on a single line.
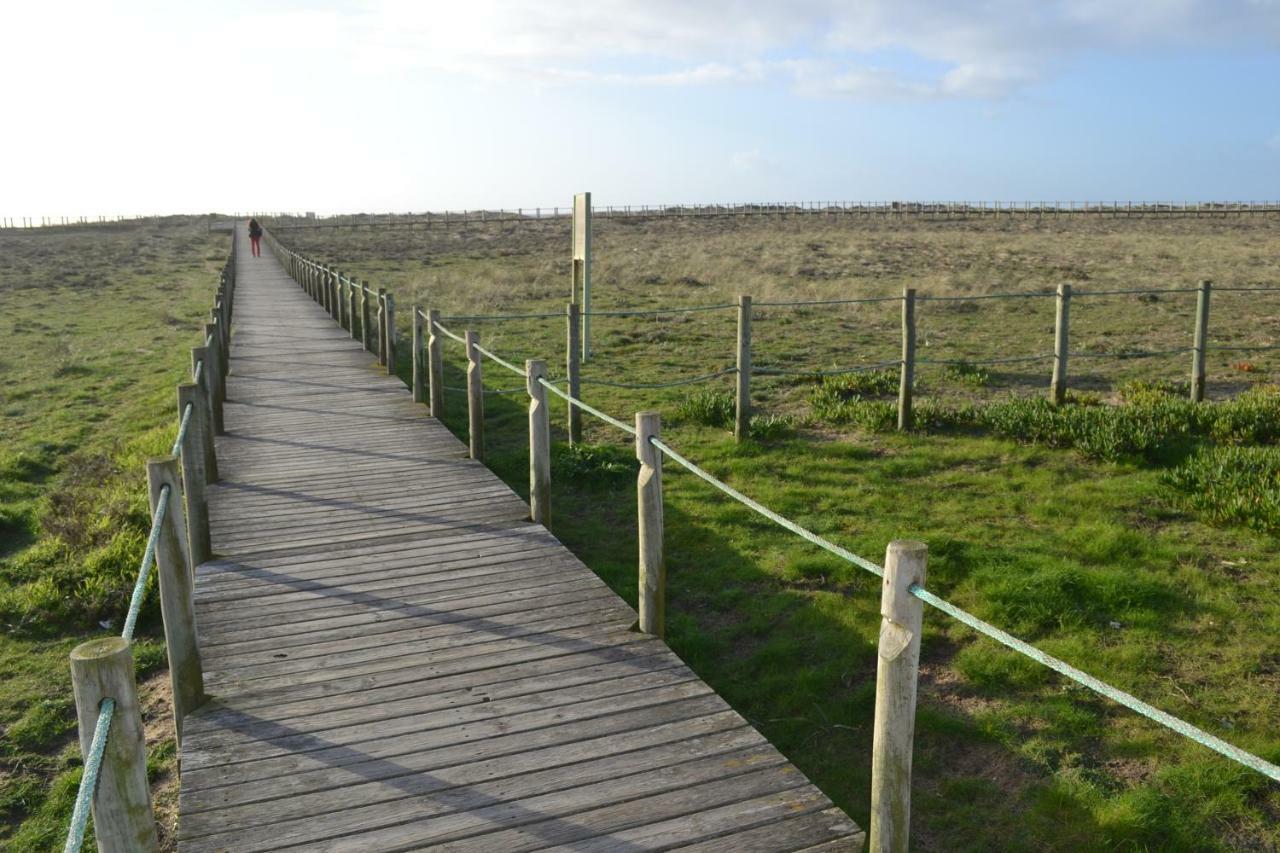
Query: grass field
[[1105, 563], [1091, 550], [95, 333]]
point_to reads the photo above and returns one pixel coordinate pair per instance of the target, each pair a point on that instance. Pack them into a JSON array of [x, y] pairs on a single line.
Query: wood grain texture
[[397, 658]]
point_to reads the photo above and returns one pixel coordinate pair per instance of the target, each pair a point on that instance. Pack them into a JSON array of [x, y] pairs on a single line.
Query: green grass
[[1099, 562], [95, 335], [1060, 525]]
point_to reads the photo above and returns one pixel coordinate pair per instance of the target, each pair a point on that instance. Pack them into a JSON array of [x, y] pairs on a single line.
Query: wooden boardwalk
[[399, 660]]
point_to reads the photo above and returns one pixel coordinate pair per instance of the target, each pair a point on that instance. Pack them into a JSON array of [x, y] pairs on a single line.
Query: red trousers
[[253, 245]]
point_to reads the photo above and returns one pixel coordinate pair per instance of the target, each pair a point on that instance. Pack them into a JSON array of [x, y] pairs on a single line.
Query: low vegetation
[[96, 331]]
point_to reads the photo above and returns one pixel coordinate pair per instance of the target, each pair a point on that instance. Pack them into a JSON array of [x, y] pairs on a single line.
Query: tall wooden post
[[435, 364], [1061, 345], [897, 667], [122, 818], [389, 333], [475, 396], [572, 372], [907, 377], [1201, 341], [582, 265], [539, 444], [194, 477], [416, 354], [742, 410], [177, 578], [653, 568]]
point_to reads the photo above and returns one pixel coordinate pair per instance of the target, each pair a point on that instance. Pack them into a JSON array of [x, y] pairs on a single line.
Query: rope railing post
[[366, 321], [382, 326], [389, 332], [908, 370], [417, 355], [1200, 341], [176, 572], [475, 397], [200, 358], [194, 477], [202, 419], [653, 568], [214, 372], [435, 364], [352, 308], [897, 666], [1061, 346], [102, 670], [742, 406], [572, 368], [218, 378], [539, 443]]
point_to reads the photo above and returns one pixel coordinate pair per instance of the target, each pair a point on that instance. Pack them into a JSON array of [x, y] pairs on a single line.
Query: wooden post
[[653, 568], [416, 354], [1061, 345], [897, 664], [176, 573], [366, 332], [352, 308], [200, 356], [217, 354], [582, 265], [122, 817], [1201, 341], [382, 325], [742, 411], [435, 366], [340, 299], [572, 371], [194, 476], [539, 444], [907, 376], [475, 396], [389, 333]]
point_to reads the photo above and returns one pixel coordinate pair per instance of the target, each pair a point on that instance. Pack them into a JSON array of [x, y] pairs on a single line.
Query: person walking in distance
[[255, 235]]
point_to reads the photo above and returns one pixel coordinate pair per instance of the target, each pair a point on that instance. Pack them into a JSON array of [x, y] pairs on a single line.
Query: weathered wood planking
[[399, 660]]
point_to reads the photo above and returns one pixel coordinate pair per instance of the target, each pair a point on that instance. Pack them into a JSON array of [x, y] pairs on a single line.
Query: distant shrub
[[1142, 390], [967, 374], [869, 383], [709, 408]]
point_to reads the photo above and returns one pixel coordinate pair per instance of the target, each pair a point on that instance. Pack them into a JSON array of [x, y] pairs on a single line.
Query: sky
[[412, 105]]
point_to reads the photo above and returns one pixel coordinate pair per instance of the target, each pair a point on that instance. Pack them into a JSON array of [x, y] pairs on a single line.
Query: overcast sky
[[414, 105]]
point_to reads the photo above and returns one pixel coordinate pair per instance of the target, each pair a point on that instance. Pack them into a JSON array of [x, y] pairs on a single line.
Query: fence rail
[[113, 786], [903, 590]]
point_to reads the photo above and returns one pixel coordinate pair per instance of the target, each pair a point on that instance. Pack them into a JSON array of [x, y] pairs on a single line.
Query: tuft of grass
[[1232, 485], [771, 427], [706, 408], [593, 463]]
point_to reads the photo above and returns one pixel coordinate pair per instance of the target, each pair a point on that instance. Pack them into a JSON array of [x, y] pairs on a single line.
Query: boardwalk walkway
[[400, 660]]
